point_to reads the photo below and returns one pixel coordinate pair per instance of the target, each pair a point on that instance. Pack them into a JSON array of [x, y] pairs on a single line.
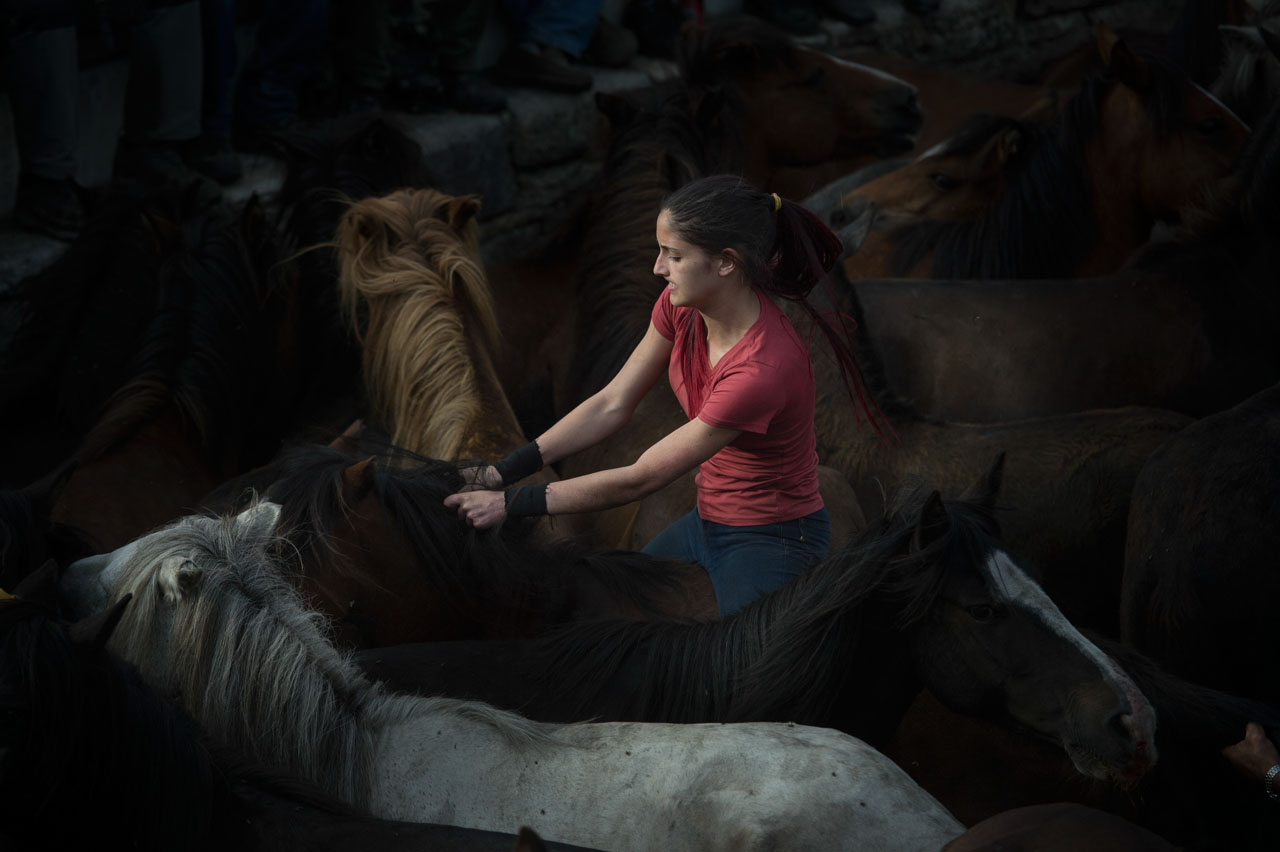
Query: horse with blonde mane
[[212, 620]]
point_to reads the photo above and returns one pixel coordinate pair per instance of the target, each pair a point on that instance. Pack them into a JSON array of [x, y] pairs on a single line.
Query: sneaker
[[51, 207], [213, 156], [547, 68], [470, 92], [612, 46]]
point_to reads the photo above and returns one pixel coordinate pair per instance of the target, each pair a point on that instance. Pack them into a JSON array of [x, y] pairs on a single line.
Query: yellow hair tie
[[777, 202]]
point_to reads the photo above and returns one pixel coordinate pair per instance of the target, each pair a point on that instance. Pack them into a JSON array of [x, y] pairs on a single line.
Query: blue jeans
[[745, 563], [566, 24]]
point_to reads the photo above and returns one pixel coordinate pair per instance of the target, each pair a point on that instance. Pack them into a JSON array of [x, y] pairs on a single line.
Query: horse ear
[[97, 629], [461, 210], [528, 841], [984, 491], [357, 480], [1246, 36], [44, 492], [932, 525], [166, 232], [1009, 143], [40, 586], [178, 577], [1122, 61], [1271, 40]]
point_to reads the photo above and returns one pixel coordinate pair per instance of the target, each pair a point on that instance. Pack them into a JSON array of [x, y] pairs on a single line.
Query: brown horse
[[380, 554], [794, 108], [1136, 145], [1199, 581], [1060, 827], [1188, 326], [205, 401]]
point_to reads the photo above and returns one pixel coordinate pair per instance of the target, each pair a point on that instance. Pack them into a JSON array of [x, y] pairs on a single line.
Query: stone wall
[[531, 162]]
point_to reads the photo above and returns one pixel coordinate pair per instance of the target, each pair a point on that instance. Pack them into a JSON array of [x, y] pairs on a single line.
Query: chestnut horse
[[1136, 145], [1190, 325], [379, 553]]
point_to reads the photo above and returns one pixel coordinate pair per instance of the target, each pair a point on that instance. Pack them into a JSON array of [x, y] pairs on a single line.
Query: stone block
[[466, 153], [1041, 8], [548, 127]]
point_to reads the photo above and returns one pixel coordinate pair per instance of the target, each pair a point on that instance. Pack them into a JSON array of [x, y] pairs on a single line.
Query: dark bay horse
[[1199, 581], [202, 402], [378, 552], [1135, 146], [1060, 827], [925, 596], [83, 734], [1187, 326]]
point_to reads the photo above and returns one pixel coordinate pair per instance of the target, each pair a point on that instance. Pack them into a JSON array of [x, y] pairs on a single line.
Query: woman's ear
[[730, 262]]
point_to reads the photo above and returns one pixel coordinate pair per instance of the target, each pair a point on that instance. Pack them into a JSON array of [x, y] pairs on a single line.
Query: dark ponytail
[[786, 251]]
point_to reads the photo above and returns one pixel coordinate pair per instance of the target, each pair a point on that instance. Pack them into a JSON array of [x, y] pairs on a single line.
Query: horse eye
[[981, 612], [1209, 125], [943, 182]]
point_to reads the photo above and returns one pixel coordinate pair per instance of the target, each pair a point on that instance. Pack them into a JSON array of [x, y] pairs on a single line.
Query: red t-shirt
[[763, 386]]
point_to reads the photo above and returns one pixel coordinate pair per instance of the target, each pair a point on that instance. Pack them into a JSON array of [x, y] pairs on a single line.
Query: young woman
[[743, 377]]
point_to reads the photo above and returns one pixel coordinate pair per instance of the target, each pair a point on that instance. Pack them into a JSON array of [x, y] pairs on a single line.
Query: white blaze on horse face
[[86, 584], [1006, 579]]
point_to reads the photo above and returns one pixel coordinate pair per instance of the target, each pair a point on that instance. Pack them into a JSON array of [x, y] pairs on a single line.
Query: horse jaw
[[1139, 723], [87, 583]]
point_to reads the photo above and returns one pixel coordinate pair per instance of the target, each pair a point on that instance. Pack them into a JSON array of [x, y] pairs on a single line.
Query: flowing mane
[[214, 623], [509, 569], [413, 287], [788, 655], [1042, 225]]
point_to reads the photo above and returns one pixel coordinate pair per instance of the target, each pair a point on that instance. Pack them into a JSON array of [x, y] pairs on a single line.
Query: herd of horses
[[236, 613]]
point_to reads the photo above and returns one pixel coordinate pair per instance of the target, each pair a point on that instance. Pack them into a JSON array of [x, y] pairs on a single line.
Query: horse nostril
[[1121, 724]]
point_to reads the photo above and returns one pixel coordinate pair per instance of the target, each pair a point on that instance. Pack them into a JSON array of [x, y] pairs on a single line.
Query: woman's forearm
[[594, 419]]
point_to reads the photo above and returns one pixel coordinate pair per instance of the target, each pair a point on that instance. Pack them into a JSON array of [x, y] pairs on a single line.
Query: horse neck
[[1123, 223], [496, 430]]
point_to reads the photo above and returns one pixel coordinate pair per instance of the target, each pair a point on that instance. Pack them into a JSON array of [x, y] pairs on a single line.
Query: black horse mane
[[1042, 225], [787, 653], [134, 768], [477, 570], [655, 152]]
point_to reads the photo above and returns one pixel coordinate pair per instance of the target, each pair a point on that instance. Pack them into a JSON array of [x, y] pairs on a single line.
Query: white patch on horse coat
[[875, 72], [1006, 579], [670, 787]]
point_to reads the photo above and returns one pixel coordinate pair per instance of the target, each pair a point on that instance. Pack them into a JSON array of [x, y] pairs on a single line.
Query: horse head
[[1174, 136], [993, 643], [798, 106]]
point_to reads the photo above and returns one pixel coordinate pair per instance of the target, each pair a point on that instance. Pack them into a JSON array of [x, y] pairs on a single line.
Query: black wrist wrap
[[520, 463], [525, 500]]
